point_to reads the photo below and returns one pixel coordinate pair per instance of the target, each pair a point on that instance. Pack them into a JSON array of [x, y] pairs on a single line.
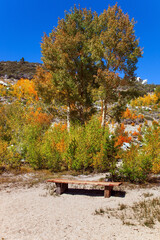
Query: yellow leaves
[[44, 85], [147, 100], [3, 148], [152, 146], [156, 165], [158, 95], [139, 128], [2, 90], [61, 146], [61, 127], [128, 114], [25, 89], [97, 159], [39, 118]]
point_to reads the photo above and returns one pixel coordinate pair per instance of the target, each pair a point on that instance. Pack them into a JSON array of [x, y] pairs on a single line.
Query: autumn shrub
[[121, 135], [77, 154], [146, 100], [22, 127], [132, 115], [9, 156], [151, 147], [139, 162], [110, 157], [53, 148], [3, 152], [72, 150], [37, 123], [87, 147], [136, 166], [43, 84], [24, 89], [31, 145], [3, 90], [26, 133], [5, 133], [13, 158], [9, 129], [94, 135], [94, 150]]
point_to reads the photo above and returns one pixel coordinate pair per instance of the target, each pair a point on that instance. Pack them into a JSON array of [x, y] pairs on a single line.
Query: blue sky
[[23, 22]]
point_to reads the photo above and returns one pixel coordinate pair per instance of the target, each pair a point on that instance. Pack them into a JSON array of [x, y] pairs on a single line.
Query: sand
[[34, 213]]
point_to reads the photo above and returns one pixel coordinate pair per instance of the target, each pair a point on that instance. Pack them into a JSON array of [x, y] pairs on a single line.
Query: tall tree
[[120, 55], [66, 53], [85, 52]]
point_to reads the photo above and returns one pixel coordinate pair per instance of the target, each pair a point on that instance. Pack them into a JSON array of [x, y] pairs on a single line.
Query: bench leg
[[107, 191], [61, 187]]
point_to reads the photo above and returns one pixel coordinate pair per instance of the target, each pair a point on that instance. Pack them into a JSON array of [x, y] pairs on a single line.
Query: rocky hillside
[[17, 70]]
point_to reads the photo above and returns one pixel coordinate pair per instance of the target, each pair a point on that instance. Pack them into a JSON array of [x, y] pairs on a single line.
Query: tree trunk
[[104, 111], [68, 117]]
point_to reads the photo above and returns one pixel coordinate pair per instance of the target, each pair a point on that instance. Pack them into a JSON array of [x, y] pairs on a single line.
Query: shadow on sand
[[94, 193]]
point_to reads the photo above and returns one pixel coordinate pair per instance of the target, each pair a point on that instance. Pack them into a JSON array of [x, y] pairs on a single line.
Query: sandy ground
[[34, 213]]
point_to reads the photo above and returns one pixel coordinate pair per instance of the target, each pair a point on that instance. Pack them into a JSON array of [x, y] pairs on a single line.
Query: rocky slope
[[17, 70]]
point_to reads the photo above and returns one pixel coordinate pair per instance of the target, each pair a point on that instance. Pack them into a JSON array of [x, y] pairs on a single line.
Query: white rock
[[3, 83]]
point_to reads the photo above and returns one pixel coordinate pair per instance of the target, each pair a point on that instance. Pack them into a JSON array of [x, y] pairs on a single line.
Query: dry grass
[[145, 213], [146, 195], [28, 180], [100, 211]]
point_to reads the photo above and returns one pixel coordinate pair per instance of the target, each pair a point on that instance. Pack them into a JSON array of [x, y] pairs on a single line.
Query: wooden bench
[[62, 185]]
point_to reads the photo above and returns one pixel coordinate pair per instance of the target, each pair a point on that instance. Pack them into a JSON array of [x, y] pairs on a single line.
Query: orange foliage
[[40, 118], [146, 122], [135, 133], [122, 136], [128, 114], [61, 126], [141, 116], [44, 84], [61, 146], [134, 116], [25, 88], [100, 118], [139, 128], [122, 127], [43, 76], [122, 139], [155, 123]]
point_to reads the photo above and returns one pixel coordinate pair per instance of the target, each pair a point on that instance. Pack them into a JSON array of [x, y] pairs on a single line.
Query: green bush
[[110, 156], [136, 165], [50, 148], [26, 133], [83, 148]]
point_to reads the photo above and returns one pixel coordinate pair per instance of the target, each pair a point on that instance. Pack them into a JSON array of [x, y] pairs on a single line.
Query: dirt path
[[34, 213]]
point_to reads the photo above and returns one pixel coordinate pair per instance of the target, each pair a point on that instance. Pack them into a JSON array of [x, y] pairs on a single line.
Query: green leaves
[[86, 54]]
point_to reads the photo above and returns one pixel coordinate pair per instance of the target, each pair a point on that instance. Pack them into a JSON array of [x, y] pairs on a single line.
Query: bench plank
[[97, 183], [62, 185]]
